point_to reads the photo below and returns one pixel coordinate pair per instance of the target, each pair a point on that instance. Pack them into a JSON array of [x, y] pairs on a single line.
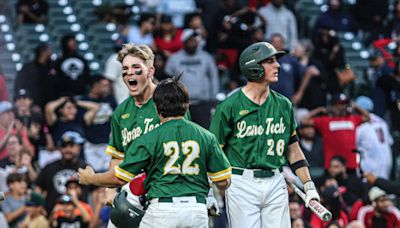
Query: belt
[[257, 173], [180, 199]]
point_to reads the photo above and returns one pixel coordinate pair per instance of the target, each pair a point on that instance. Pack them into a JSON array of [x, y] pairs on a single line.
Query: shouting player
[[178, 158], [257, 130]]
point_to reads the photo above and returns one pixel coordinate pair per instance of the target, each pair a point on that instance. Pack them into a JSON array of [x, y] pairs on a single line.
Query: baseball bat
[[317, 208], [2, 197]]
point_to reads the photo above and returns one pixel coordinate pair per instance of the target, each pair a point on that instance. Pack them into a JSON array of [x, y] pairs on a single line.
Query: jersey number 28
[[190, 149]]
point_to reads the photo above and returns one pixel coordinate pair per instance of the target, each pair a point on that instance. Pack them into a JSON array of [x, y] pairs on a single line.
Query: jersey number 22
[[190, 149]]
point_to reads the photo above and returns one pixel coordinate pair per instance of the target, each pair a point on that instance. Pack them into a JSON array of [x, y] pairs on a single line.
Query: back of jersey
[[182, 155]]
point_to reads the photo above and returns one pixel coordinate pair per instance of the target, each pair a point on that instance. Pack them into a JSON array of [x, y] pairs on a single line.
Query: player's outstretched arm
[[87, 176]]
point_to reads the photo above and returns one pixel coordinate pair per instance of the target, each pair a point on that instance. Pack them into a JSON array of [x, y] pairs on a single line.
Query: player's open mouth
[[132, 82]]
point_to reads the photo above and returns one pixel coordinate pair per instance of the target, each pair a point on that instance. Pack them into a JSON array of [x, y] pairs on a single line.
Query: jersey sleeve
[[114, 147], [293, 125], [218, 166], [220, 126], [137, 158]]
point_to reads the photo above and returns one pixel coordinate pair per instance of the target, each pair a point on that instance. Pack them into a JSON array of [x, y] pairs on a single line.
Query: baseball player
[[256, 128], [178, 158]]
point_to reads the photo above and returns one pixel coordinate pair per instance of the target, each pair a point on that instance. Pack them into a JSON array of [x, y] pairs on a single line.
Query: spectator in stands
[[335, 18], [143, 34], [32, 11], [391, 86], [19, 160], [99, 207], [159, 64], [66, 114], [311, 144], [31, 118], [14, 207], [36, 77], [200, 75], [295, 209], [331, 199], [280, 20], [374, 142], [64, 213], [381, 213], [3, 88], [298, 223], [74, 189], [338, 175], [378, 76], [113, 71], [314, 94], [370, 16], [168, 38], [393, 26], [338, 124], [291, 73], [10, 126], [194, 21], [97, 134], [332, 56], [52, 178], [71, 69], [35, 215], [177, 9]]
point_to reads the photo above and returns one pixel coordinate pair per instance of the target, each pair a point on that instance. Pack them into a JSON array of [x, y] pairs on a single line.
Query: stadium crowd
[[59, 117]]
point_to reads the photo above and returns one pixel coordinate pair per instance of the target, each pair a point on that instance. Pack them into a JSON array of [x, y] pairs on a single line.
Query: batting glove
[[311, 192]]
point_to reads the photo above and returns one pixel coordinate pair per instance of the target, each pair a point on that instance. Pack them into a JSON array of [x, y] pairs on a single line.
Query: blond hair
[[143, 52]]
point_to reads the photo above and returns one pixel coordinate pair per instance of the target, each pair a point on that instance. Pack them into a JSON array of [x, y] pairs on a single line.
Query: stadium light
[[2, 18], [8, 37], [18, 66], [94, 66], [83, 46], [67, 10], [44, 37], [71, 18], [80, 37], [39, 28], [5, 28], [11, 46], [75, 27], [15, 57], [89, 56]]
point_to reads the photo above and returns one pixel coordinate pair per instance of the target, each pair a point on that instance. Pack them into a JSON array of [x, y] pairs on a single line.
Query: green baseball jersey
[[255, 136], [178, 157], [128, 122]]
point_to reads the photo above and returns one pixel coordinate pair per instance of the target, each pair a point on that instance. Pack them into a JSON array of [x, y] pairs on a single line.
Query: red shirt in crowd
[[339, 137], [173, 45], [367, 214]]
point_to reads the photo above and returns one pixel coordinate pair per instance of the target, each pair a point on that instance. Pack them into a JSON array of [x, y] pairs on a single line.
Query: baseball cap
[[22, 93], [5, 106], [339, 98], [165, 18], [35, 199], [188, 33], [375, 53], [71, 179], [64, 199], [71, 137], [375, 192], [300, 114], [365, 103]]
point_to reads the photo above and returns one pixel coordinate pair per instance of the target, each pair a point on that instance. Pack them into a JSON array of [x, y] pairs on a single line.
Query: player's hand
[[84, 175], [212, 206], [311, 192]]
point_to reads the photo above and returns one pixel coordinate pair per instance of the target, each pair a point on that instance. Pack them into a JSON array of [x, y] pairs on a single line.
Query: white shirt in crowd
[[374, 142]]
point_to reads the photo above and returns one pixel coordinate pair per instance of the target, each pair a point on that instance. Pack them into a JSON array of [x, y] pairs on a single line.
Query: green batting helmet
[[124, 214], [250, 58]]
